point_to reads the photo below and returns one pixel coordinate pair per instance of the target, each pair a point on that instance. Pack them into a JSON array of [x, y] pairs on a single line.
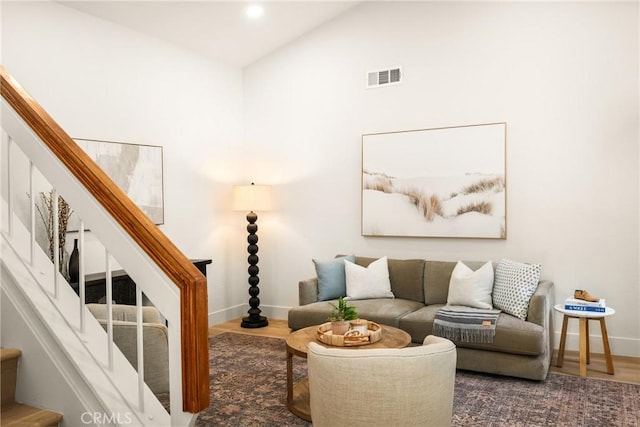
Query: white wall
[[564, 76], [102, 81]]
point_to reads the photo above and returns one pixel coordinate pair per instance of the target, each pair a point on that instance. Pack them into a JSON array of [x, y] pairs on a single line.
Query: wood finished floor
[[627, 369]]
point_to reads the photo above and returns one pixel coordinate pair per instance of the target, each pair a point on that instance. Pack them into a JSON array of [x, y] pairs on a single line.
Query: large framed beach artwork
[[442, 182], [135, 168]]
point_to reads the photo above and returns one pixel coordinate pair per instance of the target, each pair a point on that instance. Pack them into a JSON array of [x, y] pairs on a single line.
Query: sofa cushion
[[513, 335], [406, 277], [419, 324], [368, 282], [437, 275], [383, 311], [515, 283], [331, 277], [471, 288]]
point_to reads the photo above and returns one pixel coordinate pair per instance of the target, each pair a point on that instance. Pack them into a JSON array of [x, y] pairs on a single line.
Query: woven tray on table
[[352, 338]]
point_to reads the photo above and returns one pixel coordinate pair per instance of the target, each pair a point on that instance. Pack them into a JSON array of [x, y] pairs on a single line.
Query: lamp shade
[[251, 197]]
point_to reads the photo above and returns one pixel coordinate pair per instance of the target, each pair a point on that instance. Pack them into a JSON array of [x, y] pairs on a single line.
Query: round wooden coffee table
[[298, 394]]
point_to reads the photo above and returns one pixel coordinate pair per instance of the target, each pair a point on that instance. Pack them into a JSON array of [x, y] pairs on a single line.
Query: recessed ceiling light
[[254, 11]]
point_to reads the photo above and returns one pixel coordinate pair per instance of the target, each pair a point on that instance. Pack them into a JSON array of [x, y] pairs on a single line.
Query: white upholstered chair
[[382, 387], [155, 343]]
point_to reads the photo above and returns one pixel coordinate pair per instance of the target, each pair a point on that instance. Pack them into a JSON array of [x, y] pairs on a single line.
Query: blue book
[[585, 308]]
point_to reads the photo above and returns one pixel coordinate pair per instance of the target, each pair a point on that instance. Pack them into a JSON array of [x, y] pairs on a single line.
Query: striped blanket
[[466, 324]]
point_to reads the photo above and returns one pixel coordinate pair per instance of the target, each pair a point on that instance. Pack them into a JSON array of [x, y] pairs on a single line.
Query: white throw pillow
[[471, 288], [515, 285], [370, 282]]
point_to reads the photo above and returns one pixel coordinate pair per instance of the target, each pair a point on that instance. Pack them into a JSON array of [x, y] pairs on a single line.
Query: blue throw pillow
[[332, 283]]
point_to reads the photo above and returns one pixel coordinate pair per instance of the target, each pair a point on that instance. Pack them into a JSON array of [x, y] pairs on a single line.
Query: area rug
[[249, 388]]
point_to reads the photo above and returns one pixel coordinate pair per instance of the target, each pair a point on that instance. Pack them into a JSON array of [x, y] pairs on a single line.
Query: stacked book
[[582, 305]]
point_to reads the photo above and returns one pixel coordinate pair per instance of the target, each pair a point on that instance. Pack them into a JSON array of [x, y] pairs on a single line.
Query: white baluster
[[81, 283], [175, 375], [10, 190], [140, 347], [32, 214], [56, 241], [108, 286]]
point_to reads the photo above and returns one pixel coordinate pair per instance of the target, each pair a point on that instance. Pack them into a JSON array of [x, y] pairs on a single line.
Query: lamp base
[[254, 322]]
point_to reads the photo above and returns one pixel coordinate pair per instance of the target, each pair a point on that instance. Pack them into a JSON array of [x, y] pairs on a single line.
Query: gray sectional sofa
[[521, 348]]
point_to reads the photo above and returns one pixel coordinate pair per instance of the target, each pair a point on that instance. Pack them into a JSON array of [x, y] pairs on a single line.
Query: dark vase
[[74, 268]]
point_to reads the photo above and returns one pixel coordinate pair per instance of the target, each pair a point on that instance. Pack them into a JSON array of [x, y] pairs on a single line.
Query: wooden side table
[[298, 394], [584, 317]]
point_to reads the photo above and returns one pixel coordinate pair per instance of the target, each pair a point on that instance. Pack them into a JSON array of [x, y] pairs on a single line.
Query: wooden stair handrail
[[192, 284]]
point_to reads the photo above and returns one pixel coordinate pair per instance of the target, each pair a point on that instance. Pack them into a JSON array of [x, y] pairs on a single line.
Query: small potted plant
[[341, 316]]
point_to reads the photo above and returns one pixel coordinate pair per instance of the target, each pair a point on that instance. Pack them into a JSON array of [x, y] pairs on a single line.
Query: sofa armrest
[[541, 303], [308, 291]]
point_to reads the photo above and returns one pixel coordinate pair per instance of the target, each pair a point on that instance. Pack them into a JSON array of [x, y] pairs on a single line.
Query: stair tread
[[9, 353], [9, 358], [24, 415]]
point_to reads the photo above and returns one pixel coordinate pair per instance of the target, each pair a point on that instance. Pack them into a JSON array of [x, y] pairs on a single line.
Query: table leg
[[588, 346], [605, 344], [563, 341], [583, 346], [289, 379]]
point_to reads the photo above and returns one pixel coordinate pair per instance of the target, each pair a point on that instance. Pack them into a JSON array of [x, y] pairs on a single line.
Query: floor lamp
[[252, 198]]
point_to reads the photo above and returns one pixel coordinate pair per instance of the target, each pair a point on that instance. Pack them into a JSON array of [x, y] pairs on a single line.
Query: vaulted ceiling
[[220, 30]]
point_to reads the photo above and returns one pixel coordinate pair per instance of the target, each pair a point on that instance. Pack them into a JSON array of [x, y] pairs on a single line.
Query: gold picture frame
[[447, 182]]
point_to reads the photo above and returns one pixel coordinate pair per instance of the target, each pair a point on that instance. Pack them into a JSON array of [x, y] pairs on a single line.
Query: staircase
[[42, 314], [13, 413]]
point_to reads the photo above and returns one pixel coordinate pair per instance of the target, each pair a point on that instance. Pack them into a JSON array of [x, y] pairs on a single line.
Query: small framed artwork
[[442, 182], [135, 168]]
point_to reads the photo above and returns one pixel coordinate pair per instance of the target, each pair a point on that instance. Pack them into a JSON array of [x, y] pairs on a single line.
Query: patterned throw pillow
[[514, 285]]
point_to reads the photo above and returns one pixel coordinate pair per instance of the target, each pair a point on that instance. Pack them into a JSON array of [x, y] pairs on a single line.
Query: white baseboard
[[271, 312], [275, 312], [620, 346], [227, 314]]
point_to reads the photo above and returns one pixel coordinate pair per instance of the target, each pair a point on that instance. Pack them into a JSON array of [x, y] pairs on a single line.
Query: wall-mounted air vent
[[390, 76]]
